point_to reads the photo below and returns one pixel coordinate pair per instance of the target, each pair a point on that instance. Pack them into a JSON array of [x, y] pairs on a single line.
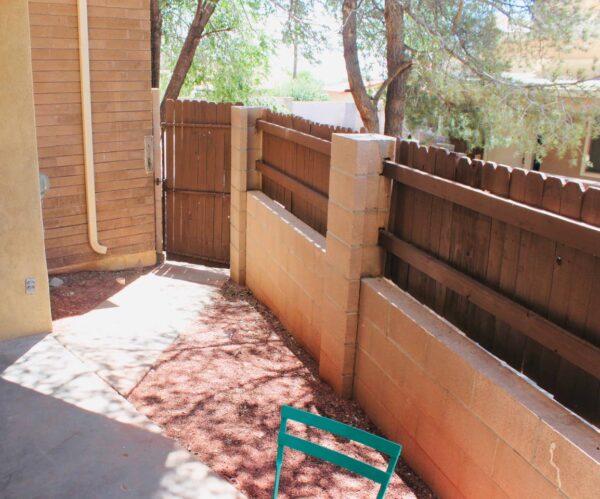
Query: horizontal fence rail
[[295, 165], [547, 224], [297, 188], [195, 125], [565, 344], [300, 138], [512, 257]]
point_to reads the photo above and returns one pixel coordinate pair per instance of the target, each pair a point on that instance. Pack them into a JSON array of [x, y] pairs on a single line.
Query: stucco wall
[[285, 262], [21, 236], [470, 426], [119, 34]]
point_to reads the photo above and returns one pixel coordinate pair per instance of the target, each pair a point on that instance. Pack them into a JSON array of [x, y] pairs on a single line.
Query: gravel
[[218, 390]]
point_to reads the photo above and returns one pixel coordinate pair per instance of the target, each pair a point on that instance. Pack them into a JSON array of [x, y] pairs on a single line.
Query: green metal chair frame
[[380, 444]]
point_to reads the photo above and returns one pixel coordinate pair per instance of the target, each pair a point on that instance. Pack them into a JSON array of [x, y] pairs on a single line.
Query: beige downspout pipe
[[86, 113]]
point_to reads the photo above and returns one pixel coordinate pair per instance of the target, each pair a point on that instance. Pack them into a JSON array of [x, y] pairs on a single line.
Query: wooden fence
[[512, 257], [295, 165], [197, 179]]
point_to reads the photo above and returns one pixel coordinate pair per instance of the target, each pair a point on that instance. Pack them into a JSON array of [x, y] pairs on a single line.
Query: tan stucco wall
[[508, 156], [21, 233]]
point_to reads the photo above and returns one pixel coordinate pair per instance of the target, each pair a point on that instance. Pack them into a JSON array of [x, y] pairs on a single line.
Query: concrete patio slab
[[66, 433], [124, 336]]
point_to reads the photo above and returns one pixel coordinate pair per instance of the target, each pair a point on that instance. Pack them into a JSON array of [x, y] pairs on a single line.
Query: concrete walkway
[[66, 429]]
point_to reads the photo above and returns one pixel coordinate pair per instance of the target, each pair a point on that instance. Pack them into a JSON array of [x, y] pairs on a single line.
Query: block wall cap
[[525, 392], [307, 232], [365, 137]]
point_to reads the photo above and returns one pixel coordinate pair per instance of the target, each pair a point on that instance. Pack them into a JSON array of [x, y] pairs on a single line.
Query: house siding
[[119, 33]]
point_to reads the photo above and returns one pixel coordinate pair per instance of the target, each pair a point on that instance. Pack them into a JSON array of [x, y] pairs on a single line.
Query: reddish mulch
[[218, 389], [84, 291]]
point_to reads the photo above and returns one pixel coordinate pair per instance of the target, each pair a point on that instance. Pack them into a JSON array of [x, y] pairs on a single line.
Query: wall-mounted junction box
[[149, 153]]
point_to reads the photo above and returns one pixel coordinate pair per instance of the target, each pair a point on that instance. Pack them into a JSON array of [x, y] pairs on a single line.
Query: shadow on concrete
[[64, 433], [11, 350], [52, 449]]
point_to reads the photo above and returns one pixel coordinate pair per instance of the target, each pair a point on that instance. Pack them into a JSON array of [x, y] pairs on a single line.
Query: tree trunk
[[396, 90], [186, 56], [295, 69], [155, 37], [365, 105]]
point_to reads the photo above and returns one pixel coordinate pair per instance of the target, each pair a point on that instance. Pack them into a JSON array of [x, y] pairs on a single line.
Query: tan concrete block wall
[[285, 261], [470, 426], [246, 147], [358, 205]]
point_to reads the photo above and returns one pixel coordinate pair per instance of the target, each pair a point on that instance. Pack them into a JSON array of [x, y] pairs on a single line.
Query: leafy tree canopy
[[465, 58], [232, 59], [464, 54]]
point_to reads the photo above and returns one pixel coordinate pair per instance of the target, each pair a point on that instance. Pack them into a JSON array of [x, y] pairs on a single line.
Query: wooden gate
[[196, 145]]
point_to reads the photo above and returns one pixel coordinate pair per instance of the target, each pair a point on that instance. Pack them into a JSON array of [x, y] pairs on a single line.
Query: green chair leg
[[380, 444], [278, 463]]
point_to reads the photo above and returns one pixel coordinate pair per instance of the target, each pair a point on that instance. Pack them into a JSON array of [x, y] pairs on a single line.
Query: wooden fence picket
[[555, 276]]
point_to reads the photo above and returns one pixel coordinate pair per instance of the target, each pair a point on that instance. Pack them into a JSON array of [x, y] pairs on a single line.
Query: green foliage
[[231, 63], [465, 55], [302, 88], [299, 28]]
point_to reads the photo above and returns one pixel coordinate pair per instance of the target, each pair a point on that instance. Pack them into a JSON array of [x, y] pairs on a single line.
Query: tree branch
[[366, 107], [215, 32], [458, 16], [399, 70], [201, 19], [469, 62]]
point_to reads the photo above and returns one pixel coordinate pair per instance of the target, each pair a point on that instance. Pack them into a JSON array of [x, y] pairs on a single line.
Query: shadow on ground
[[66, 432], [218, 390]]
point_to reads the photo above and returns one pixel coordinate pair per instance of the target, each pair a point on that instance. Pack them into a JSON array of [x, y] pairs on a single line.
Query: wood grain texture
[[197, 138], [121, 114], [300, 150], [490, 228]]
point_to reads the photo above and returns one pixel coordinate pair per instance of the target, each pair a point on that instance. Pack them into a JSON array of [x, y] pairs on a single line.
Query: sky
[[330, 71]]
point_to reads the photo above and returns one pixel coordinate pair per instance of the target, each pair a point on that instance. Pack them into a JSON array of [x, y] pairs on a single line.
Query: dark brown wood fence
[[295, 165], [512, 257], [197, 149]]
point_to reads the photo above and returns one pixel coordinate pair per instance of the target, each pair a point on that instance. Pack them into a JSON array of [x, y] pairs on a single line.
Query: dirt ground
[[218, 390], [83, 291]]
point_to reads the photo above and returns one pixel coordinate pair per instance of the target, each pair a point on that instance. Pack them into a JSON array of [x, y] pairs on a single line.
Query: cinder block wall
[[470, 425], [285, 261]]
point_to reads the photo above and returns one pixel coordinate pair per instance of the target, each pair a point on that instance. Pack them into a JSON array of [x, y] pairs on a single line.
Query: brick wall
[[122, 115], [285, 262], [470, 425]]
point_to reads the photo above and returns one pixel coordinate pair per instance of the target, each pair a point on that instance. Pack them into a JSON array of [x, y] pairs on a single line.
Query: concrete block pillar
[[358, 207], [246, 147]]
